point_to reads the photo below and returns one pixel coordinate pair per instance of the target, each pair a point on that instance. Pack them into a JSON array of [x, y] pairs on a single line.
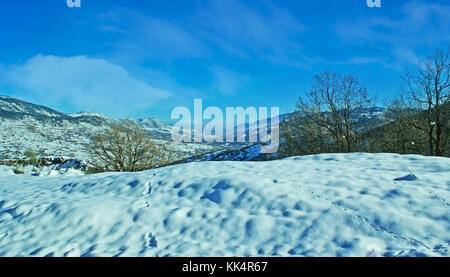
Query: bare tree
[[429, 91], [395, 134], [125, 146], [300, 136], [334, 107]]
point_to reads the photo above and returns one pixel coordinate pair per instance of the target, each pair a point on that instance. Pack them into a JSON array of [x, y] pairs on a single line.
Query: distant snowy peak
[[80, 114], [152, 123], [11, 107], [156, 127], [371, 112], [18, 110]]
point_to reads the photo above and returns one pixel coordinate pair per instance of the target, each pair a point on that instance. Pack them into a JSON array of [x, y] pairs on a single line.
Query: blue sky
[[143, 58]]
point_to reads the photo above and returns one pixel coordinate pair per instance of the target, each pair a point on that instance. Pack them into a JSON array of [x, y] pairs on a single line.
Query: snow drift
[[322, 205]]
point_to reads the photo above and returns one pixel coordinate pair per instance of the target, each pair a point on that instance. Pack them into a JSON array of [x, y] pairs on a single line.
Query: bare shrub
[[126, 146]]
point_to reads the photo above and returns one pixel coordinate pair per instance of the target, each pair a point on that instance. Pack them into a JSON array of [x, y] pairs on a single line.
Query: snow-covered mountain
[[25, 125], [247, 153], [373, 116], [93, 114], [157, 128], [15, 109]]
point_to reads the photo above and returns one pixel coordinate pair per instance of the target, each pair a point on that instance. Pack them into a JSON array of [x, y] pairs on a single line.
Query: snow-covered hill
[[322, 205], [156, 127], [26, 126], [247, 153]]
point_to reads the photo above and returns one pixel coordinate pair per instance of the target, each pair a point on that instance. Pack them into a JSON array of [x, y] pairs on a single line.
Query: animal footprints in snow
[[146, 205], [150, 240], [147, 189], [436, 197], [366, 220]]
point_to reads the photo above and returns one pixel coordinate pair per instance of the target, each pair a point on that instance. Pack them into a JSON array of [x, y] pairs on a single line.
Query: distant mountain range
[[48, 132], [25, 125]]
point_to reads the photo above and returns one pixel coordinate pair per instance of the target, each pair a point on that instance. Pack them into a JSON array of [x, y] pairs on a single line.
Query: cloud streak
[[216, 27], [269, 32], [420, 24]]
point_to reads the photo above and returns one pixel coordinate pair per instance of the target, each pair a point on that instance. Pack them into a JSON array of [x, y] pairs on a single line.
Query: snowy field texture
[[321, 205]]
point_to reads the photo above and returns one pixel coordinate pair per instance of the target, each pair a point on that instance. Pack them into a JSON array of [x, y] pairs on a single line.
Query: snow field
[[321, 205]]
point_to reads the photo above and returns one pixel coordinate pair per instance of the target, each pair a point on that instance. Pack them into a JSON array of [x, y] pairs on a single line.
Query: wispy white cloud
[[229, 27], [269, 32], [143, 36], [214, 30], [81, 83], [420, 24]]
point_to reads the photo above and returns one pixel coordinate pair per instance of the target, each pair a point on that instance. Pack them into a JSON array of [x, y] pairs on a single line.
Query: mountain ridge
[[25, 125]]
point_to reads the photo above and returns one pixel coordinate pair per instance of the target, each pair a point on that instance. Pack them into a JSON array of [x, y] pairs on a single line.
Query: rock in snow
[[409, 177], [321, 205]]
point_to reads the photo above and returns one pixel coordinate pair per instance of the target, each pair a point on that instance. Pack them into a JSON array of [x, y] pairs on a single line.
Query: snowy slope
[[249, 153], [48, 132], [25, 126], [322, 205], [156, 127]]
